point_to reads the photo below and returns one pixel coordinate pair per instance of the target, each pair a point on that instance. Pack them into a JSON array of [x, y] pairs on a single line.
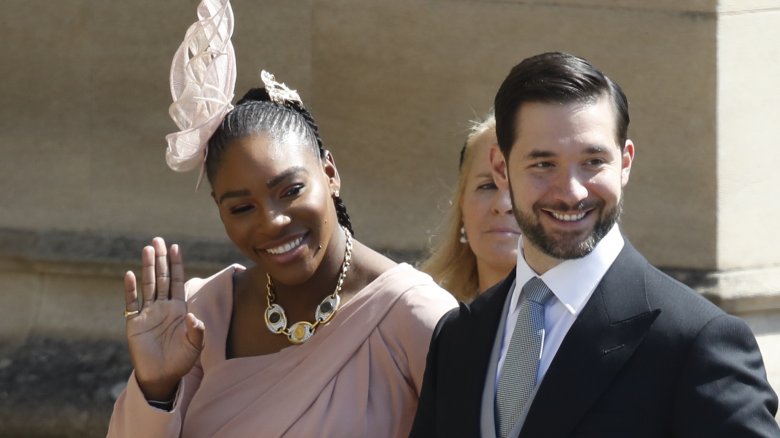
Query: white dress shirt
[[572, 283]]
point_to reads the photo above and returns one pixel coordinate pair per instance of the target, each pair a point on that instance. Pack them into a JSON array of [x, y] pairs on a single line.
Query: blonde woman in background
[[477, 243]]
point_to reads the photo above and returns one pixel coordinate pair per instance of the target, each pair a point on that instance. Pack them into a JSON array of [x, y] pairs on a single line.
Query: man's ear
[[329, 167], [627, 159], [498, 166]]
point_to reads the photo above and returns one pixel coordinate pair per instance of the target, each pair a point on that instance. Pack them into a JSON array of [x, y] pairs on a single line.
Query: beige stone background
[[83, 112]]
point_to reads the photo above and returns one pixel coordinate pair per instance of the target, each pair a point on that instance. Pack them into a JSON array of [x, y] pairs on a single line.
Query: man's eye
[[595, 162]]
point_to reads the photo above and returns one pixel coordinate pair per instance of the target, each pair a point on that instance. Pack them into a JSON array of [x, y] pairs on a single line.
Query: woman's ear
[[329, 167]]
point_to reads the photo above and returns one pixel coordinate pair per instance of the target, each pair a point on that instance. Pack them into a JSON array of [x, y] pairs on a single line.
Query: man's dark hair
[[555, 78]]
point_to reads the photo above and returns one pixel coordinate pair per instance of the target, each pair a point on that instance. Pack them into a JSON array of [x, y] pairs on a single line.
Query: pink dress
[[358, 376]]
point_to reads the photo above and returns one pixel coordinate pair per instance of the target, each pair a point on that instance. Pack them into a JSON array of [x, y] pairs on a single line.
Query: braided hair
[[254, 113]]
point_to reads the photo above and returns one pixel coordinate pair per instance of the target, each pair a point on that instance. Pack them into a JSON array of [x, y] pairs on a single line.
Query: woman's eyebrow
[[233, 194], [282, 176]]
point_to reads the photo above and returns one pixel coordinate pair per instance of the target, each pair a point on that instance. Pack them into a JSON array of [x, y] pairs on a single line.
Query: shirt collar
[[574, 280]]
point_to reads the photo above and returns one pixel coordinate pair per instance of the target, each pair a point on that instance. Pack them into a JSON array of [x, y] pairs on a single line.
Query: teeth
[[281, 249], [568, 217]]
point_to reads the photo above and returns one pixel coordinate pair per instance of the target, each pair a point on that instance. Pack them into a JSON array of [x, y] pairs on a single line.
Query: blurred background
[[83, 183]]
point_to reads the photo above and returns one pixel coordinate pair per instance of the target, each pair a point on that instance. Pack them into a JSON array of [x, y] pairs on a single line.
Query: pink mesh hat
[[203, 79]]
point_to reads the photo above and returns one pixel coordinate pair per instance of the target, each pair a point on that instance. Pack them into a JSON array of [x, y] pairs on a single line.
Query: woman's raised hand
[[164, 339]]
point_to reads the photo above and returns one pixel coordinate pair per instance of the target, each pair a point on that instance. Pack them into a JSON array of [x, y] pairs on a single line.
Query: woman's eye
[[293, 191], [238, 209], [487, 186]]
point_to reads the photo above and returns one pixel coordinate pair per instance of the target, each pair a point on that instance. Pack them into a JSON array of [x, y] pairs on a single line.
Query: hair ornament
[[279, 93], [203, 78]]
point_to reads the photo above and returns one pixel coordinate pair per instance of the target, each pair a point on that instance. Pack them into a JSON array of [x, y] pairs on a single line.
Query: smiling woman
[[320, 336]]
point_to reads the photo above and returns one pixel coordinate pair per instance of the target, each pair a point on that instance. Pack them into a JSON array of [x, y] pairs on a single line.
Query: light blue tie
[[518, 375]]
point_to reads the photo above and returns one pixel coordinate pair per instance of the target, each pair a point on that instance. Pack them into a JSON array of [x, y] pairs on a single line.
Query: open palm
[[164, 339]]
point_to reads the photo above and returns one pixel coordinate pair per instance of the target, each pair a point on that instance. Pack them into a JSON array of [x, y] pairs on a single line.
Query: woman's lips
[[285, 249]]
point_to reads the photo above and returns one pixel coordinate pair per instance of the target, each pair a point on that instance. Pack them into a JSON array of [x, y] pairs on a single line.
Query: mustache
[[586, 204]]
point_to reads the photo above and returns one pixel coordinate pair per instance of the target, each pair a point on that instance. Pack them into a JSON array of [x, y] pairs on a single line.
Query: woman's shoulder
[[411, 292], [416, 298], [197, 288], [418, 305], [418, 288]]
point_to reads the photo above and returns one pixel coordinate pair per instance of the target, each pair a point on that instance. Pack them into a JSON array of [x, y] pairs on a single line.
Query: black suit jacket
[[646, 357]]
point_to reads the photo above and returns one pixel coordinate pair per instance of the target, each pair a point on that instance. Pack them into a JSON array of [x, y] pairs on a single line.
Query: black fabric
[[647, 357]]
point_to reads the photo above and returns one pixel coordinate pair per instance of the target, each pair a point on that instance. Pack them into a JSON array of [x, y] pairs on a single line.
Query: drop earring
[[463, 238]]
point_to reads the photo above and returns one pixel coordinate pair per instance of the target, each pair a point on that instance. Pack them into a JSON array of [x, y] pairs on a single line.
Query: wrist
[[161, 392]]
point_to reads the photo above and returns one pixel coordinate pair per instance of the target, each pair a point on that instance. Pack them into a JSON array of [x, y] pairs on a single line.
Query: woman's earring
[[336, 194], [463, 238]]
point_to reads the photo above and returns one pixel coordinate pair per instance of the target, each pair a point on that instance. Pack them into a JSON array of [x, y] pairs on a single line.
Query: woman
[[321, 336], [478, 245]]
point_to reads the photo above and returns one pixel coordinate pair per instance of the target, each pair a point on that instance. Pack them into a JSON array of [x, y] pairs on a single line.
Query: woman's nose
[[273, 220]]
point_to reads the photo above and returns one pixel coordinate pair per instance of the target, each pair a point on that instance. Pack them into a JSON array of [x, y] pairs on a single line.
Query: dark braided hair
[[255, 113]]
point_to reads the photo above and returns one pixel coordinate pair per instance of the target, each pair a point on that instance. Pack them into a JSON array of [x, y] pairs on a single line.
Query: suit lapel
[[486, 312], [604, 336]]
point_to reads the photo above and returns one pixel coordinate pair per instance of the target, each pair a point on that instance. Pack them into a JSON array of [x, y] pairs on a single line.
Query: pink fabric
[[203, 77], [360, 375]]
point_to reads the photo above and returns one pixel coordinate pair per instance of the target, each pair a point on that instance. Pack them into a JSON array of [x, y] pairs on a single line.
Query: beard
[[568, 245]]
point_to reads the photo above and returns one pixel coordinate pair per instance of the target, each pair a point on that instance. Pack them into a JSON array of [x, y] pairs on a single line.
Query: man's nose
[[571, 188]]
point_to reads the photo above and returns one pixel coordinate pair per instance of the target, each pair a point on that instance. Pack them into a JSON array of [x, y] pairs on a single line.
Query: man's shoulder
[[679, 302], [481, 314], [675, 299], [492, 300]]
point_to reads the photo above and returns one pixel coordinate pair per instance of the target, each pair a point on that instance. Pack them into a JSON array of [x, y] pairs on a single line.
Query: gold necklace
[[301, 331]]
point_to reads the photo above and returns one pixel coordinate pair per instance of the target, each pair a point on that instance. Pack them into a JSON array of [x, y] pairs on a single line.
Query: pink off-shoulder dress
[[358, 376]]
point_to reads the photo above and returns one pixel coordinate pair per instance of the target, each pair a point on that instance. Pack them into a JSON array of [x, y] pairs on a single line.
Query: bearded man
[[584, 337]]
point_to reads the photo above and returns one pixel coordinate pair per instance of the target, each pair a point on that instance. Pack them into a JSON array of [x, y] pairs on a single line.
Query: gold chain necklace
[[301, 331]]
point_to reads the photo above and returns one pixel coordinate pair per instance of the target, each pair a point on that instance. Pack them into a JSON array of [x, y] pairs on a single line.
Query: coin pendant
[[300, 332]]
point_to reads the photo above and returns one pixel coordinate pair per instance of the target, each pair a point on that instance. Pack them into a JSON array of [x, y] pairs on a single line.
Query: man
[[584, 338]]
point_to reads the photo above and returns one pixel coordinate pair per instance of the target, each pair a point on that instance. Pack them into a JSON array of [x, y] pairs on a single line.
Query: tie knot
[[535, 290]]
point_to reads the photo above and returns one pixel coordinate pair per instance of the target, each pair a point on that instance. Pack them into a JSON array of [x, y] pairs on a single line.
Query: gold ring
[[129, 313]]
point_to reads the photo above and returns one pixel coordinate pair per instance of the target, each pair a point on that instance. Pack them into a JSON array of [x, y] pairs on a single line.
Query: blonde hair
[[452, 264]]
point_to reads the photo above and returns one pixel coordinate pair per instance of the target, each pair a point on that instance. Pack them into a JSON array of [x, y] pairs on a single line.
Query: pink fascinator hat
[[203, 79]]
